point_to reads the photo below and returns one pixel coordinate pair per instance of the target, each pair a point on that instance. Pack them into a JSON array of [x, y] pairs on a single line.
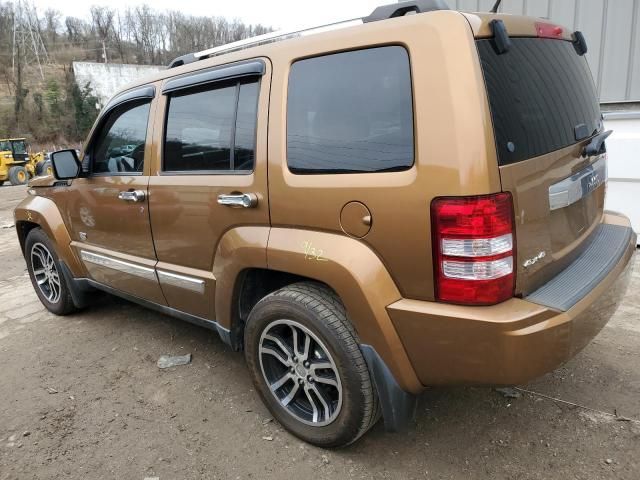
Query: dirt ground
[[82, 397]]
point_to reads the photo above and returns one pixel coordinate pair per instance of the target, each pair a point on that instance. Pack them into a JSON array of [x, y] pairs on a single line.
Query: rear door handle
[[132, 196], [246, 200]]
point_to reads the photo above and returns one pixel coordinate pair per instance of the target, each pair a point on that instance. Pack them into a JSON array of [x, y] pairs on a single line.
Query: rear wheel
[[305, 361], [45, 273], [18, 175]]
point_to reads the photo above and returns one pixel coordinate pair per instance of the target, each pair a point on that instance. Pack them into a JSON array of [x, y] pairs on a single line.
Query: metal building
[[612, 30]]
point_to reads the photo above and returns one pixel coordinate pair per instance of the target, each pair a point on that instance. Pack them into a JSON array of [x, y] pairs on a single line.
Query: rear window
[[541, 95], [350, 112], [212, 129]]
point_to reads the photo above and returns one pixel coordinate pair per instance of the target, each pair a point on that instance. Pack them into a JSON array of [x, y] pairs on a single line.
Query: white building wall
[[623, 147], [107, 78]]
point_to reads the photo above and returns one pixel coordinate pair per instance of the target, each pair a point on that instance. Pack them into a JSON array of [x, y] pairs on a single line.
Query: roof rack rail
[[381, 13], [261, 40]]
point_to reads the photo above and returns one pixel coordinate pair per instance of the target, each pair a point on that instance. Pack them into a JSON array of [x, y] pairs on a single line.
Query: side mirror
[[66, 165]]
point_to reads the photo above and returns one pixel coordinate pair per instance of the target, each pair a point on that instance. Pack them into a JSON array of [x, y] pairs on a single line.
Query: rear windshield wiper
[[595, 145]]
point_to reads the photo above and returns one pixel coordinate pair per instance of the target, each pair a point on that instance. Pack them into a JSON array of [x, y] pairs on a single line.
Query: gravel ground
[[81, 397]]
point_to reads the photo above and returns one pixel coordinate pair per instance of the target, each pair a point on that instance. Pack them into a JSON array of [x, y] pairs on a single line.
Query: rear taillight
[[474, 248]]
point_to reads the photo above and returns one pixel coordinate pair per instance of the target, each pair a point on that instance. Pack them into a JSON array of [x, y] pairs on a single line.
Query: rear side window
[[350, 112], [541, 95], [212, 129]]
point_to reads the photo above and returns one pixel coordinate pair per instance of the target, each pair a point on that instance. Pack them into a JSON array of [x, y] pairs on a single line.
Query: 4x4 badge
[[527, 263]]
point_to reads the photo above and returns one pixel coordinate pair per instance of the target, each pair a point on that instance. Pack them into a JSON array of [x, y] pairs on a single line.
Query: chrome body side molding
[[570, 190], [119, 265], [181, 281], [193, 284]]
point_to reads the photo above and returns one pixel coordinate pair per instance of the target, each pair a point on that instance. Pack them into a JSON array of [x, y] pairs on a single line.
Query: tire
[[44, 168], [1, 182], [314, 311], [18, 175], [53, 292]]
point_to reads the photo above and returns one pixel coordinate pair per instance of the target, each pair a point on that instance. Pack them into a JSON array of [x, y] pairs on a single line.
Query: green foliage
[[53, 96], [84, 105], [59, 112]]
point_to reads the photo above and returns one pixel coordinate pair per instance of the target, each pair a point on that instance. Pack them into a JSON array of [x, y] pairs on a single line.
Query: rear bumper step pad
[[608, 245]]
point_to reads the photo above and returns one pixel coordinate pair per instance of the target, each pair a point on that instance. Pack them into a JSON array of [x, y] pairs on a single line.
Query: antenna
[[27, 43], [495, 7]]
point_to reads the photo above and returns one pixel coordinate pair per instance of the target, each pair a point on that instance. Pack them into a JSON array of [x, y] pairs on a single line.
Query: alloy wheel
[[300, 372], [45, 272]]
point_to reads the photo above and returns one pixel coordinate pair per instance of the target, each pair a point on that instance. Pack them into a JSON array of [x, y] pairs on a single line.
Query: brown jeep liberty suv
[[365, 209]]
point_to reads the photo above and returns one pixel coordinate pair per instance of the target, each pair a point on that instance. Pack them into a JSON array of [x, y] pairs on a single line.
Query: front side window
[[212, 129], [351, 112], [119, 147]]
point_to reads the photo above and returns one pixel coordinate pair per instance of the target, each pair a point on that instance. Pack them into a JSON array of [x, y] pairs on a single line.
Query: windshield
[[19, 146], [541, 94]]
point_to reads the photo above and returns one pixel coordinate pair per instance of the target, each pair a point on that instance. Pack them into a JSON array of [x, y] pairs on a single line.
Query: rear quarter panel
[[453, 144]]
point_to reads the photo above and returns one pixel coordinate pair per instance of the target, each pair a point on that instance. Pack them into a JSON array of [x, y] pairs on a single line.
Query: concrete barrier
[[107, 78]]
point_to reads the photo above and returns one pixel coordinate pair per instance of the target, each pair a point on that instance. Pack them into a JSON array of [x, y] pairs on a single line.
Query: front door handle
[[132, 196], [246, 200]]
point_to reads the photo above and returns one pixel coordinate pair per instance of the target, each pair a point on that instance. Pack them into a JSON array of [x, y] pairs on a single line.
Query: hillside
[[50, 108]]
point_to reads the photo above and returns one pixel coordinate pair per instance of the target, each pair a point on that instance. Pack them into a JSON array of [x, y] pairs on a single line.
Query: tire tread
[[327, 305]]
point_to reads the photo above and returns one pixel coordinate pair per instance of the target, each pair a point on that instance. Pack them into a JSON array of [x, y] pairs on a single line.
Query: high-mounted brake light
[[474, 248], [548, 30]]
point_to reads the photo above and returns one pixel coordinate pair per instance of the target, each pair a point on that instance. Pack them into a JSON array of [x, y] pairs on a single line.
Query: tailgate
[[544, 110]]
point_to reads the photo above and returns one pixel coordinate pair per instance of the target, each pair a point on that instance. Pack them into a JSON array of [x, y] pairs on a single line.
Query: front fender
[[361, 280], [41, 211]]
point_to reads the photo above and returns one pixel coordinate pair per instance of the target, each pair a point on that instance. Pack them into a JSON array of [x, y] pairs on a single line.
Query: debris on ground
[[167, 361], [608, 461], [509, 392], [51, 390], [268, 439]]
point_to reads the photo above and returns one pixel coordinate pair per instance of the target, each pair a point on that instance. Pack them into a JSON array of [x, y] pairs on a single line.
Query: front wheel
[[305, 361], [18, 175], [45, 273]]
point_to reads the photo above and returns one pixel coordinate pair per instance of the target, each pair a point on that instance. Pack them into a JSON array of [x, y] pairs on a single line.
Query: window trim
[[145, 92], [338, 52], [221, 73], [237, 82], [103, 118]]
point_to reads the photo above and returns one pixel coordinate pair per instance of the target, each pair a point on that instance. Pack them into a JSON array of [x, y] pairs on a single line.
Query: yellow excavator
[[17, 165]]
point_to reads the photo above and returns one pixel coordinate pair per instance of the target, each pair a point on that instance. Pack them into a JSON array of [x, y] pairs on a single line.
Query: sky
[[279, 14]]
